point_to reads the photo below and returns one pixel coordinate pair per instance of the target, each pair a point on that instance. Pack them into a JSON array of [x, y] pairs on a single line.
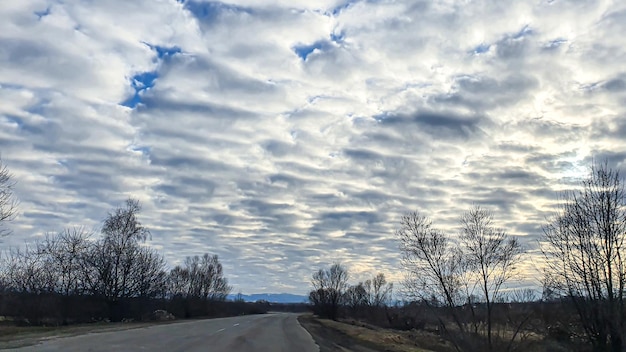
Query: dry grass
[[388, 340], [352, 335]]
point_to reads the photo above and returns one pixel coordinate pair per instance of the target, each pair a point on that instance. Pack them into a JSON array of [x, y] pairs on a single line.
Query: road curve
[[268, 332]]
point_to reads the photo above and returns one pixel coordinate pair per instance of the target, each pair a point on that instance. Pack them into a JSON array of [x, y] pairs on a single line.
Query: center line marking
[[236, 324], [220, 330]]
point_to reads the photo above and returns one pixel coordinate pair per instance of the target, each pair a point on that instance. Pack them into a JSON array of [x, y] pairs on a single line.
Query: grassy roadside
[[353, 336]]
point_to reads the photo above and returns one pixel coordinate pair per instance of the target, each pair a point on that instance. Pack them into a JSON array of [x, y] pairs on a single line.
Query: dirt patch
[[331, 340], [334, 336]]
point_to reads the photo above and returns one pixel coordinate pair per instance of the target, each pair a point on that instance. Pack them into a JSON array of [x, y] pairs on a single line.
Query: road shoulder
[[331, 339], [353, 336]]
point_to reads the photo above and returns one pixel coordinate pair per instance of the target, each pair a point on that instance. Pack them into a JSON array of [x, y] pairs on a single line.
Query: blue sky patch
[[303, 50], [481, 49], [146, 80], [337, 37], [164, 51], [140, 83], [211, 10]]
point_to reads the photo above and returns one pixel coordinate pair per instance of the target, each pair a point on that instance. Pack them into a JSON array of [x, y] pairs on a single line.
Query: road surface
[[268, 332]]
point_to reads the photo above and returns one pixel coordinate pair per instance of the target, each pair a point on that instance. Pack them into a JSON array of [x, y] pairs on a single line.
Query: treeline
[[456, 284], [454, 289], [333, 295], [77, 276]]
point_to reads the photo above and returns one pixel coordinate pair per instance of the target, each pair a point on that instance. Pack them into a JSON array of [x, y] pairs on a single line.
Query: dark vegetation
[[456, 285], [8, 203], [75, 276]]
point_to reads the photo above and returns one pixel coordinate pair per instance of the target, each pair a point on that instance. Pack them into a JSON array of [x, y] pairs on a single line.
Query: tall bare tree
[[586, 255], [433, 266], [214, 285], [8, 202], [464, 271], [491, 256], [114, 258]]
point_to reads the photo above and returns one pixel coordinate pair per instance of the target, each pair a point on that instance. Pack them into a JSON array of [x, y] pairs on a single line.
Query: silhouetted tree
[[8, 202], [329, 286], [201, 277], [118, 261], [467, 271], [490, 255], [25, 271], [356, 297], [432, 266], [149, 276], [378, 290], [52, 265], [178, 282], [64, 256], [586, 255]]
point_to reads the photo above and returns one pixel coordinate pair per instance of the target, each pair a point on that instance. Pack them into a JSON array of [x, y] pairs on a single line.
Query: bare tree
[[54, 264], [356, 297], [178, 282], [433, 268], [491, 255], [114, 258], [214, 285], [26, 271], [149, 279], [64, 256], [586, 256], [8, 202], [432, 265], [525, 295], [329, 286], [378, 291], [459, 274], [201, 277], [122, 227]]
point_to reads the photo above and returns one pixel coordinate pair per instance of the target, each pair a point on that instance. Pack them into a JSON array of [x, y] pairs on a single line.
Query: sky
[[286, 135]]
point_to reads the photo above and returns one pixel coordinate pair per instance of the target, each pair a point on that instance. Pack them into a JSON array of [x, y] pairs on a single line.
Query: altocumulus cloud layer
[[285, 135]]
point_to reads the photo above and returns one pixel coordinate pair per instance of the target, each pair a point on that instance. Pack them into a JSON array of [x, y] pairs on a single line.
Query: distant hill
[[272, 297]]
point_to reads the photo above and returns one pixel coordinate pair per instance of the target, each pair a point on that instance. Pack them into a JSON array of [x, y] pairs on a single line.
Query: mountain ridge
[[271, 297]]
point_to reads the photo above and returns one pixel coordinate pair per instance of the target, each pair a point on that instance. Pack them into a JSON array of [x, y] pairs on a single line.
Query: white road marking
[[236, 324], [220, 330]]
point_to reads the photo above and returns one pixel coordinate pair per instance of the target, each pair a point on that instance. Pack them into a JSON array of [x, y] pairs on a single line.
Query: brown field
[[351, 335]]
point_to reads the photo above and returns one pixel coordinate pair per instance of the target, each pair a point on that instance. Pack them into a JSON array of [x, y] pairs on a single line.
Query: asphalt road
[[269, 332]]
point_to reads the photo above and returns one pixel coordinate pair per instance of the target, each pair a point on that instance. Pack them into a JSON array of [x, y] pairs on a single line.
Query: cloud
[[286, 135]]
